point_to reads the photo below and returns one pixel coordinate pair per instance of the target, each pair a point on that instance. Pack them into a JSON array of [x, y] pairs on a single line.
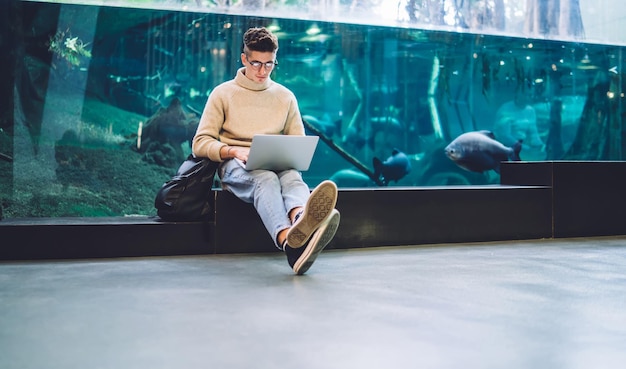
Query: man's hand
[[232, 152]]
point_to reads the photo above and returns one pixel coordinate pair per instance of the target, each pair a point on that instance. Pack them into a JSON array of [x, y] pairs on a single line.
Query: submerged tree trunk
[[593, 138], [554, 144]]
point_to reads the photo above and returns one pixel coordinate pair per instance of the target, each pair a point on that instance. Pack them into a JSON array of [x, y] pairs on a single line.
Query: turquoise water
[[109, 97]]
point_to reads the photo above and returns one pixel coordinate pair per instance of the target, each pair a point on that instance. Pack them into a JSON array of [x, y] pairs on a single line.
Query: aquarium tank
[[101, 98]]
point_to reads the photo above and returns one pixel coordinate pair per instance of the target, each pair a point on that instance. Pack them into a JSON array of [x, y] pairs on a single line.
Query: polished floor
[[530, 304]]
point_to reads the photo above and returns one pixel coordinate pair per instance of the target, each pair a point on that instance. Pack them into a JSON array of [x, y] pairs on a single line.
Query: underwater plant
[[69, 48]]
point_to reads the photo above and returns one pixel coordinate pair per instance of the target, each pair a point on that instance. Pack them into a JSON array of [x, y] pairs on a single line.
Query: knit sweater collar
[[249, 84]]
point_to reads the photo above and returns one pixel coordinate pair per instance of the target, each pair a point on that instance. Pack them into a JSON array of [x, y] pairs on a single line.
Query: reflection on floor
[[531, 304]]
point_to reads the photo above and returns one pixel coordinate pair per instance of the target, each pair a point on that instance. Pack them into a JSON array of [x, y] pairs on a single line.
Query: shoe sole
[[317, 209], [318, 242]]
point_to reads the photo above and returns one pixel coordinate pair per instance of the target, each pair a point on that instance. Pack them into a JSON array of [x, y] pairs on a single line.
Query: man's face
[[256, 63]]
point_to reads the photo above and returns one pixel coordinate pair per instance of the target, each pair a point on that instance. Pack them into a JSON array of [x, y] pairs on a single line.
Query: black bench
[[535, 200]]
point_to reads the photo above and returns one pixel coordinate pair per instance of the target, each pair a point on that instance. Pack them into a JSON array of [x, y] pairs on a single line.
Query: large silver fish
[[479, 151]]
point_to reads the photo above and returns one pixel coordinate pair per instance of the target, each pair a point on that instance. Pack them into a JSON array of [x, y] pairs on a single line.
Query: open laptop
[[281, 152]]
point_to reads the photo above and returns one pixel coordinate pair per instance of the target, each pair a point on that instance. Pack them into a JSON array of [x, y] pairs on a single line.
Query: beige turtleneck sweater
[[238, 109]]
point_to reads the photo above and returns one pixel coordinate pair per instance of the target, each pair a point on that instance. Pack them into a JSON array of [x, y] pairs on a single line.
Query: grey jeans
[[273, 194]]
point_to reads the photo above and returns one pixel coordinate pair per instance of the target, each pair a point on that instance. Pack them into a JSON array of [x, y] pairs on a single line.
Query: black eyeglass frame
[[256, 65]]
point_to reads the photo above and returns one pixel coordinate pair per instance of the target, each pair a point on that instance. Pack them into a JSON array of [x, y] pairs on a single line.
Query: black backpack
[[187, 196]]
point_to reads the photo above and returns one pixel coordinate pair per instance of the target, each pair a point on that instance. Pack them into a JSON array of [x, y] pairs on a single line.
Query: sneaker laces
[[298, 215]]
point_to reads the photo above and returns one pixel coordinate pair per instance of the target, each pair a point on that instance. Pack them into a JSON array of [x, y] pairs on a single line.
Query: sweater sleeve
[[206, 142], [294, 124]]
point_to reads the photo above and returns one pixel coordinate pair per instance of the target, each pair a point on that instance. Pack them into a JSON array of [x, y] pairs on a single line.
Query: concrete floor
[[531, 304]]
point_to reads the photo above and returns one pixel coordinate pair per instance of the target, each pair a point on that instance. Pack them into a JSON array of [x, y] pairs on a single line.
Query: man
[[300, 222]]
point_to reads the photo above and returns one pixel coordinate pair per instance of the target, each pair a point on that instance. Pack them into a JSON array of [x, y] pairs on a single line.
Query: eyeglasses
[[256, 65]]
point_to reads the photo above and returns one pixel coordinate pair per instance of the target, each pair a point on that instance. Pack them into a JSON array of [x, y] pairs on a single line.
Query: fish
[[394, 168], [352, 178], [479, 151], [355, 139], [170, 125], [377, 125], [387, 124], [326, 125]]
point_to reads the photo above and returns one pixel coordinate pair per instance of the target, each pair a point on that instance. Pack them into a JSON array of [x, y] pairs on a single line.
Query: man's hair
[[259, 39]]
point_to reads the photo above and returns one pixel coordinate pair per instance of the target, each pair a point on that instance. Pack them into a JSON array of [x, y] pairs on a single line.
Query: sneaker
[[317, 209], [301, 259]]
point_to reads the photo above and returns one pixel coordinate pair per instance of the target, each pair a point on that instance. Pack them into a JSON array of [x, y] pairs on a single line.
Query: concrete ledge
[[67, 238], [370, 217], [405, 216], [412, 216]]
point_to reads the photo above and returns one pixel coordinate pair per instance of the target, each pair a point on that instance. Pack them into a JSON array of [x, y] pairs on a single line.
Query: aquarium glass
[[106, 96]]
